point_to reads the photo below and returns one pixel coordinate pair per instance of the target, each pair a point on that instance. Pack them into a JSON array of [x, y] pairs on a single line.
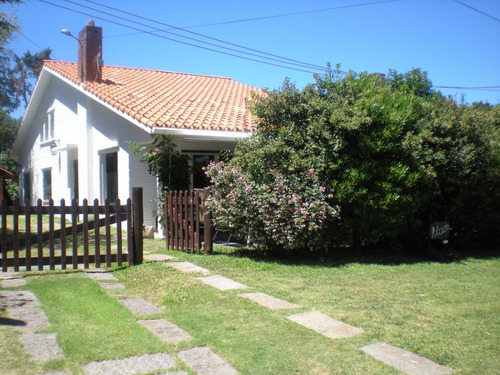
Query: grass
[[447, 312]]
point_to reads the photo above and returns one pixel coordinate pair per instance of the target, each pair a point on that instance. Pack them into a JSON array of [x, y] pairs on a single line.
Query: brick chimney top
[[90, 53]]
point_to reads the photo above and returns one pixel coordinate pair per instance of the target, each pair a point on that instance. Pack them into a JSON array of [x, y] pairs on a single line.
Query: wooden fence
[[186, 218], [72, 221]]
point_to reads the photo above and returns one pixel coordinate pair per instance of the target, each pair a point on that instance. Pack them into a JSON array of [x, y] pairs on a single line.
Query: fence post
[[207, 232], [137, 221]]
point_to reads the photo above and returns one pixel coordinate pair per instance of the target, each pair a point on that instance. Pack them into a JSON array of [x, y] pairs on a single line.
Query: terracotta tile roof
[[169, 99]]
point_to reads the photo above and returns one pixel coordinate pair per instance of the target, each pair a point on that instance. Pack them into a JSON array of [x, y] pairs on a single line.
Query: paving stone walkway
[[165, 330], [404, 361], [24, 307], [205, 359], [132, 365], [205, 362], [222, 283], [268, 301], [42, 347], [139, 306], [325, 325], [187, 267]]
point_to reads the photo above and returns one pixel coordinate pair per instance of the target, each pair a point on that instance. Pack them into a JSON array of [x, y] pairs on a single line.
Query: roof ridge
[[144, 69]]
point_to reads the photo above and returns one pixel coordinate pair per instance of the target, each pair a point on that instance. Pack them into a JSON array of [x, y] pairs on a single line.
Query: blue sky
[[458, 46]]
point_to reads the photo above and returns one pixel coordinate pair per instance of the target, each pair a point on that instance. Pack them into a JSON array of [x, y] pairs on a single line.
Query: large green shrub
[[386, 156]]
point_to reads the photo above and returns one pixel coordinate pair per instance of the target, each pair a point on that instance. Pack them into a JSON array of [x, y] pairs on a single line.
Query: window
[[48, 127]]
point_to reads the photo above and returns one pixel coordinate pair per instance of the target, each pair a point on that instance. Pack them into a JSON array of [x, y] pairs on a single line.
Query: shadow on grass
[[342, 256]]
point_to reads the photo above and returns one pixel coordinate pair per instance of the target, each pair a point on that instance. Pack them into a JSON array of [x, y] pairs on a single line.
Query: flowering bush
[[288, 213]]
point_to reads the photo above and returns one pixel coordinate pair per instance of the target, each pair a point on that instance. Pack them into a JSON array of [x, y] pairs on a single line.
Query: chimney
[[90, 53]]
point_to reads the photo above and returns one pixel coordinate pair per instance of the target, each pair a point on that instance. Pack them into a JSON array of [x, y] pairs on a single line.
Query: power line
[[477, 10], [175, 40], [480, 88], [258, 53], [300, 63]]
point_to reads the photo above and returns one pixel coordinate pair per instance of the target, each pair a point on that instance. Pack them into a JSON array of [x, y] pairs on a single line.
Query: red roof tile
[[169, 99]]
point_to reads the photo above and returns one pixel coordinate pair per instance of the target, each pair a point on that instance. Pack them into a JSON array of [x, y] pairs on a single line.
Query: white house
[[73, 139]]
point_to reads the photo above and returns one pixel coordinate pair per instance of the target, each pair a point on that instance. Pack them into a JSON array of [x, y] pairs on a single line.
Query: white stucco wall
[[84, 130]]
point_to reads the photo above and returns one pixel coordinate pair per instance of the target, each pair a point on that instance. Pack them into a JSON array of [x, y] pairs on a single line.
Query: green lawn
[[447, 312]]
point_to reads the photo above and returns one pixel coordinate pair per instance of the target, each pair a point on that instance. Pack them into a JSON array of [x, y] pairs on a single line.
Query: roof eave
[[207, 135]]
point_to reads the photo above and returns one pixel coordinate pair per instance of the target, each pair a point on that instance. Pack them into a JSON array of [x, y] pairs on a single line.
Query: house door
[[47, 184], [74, 190], [26, 186], [111, 176]]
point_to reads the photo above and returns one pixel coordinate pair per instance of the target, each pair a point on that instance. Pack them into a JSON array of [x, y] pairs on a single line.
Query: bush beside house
[[362, 160]]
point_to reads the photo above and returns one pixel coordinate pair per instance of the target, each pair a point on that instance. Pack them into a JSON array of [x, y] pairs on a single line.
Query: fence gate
[[71, 236], [187, 221]]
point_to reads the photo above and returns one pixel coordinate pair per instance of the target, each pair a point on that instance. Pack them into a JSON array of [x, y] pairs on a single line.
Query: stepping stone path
[[187, 267], [112, 286], [41, 347], [158, 257], [99, 275], [132, 365], [139, 306], [13, 282], [204, 361], [165, 330], [221, 282], [24, 307], [325, 325], [405, 361], [268, 301]]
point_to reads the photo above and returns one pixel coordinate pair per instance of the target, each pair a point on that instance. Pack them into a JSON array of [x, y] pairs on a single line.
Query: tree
[[16, 75]]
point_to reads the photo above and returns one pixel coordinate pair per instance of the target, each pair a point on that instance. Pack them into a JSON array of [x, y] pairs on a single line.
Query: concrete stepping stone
[[99, 274], [13, 282], [158, 257], [25, 307], [187, 267], [204, 361], [139, 306], [58, 373], [8, 275], [268, 301], [325, 325], [404, 361], [165, 330], [221, 282], [112, 286], [133, 365], [41, 347]]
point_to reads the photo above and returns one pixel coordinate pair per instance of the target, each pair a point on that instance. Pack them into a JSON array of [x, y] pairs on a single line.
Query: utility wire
[[291, 14], [477, 10], [480, 88], [178, 41], [300, 63], [278, 59]]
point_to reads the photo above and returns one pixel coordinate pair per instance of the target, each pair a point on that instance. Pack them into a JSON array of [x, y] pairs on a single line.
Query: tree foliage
[[386, 155], [165, 162], [16, 77]]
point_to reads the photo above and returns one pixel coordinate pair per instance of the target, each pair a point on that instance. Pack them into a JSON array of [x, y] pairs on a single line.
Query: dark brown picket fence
[[187, 221], [36, 246]]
